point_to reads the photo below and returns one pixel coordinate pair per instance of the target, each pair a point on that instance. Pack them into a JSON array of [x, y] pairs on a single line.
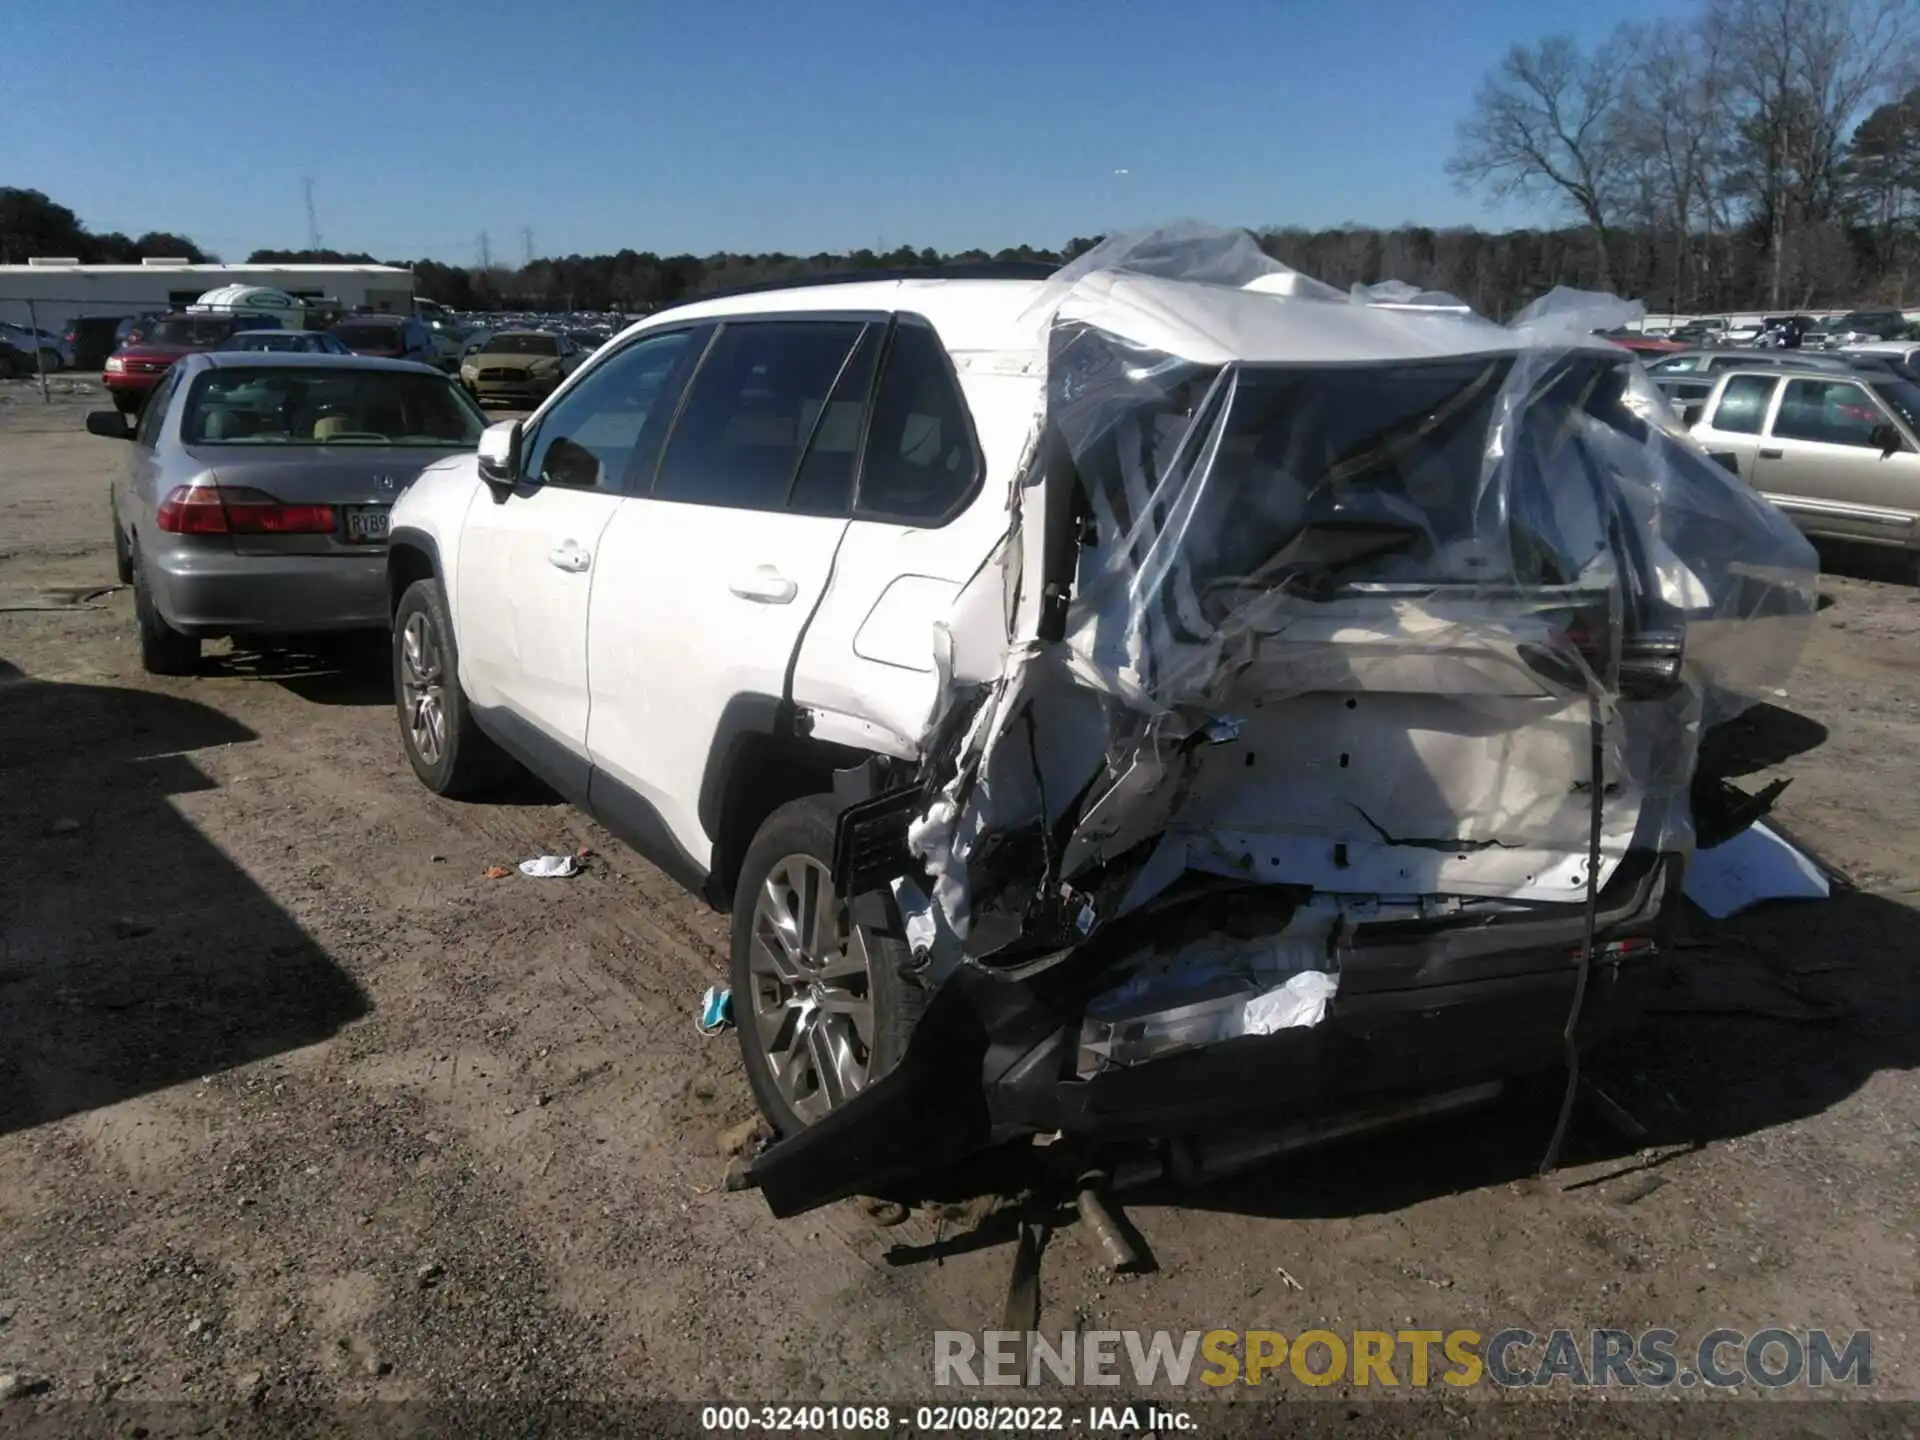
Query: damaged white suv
[[1130, 704]]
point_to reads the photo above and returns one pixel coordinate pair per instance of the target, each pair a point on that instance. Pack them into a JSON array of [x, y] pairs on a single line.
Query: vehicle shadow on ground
[[1865, 562], [322, 670], [134, 953]]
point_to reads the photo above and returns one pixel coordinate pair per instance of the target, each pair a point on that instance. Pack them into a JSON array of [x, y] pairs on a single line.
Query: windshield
[[370, 337], [1902, 397], [192, 330], [521, 345], [262, 406], [274, 340]]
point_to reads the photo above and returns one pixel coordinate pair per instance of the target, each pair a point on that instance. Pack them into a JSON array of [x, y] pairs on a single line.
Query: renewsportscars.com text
[[1511, 1358]]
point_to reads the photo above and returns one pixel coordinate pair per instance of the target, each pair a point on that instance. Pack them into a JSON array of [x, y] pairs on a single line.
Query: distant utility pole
[[526, 243], [486, 252], [313, 221]]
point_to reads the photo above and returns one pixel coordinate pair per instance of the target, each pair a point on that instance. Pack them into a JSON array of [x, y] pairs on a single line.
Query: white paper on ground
[[1755, 865], [1301, 1001], [550, 867]]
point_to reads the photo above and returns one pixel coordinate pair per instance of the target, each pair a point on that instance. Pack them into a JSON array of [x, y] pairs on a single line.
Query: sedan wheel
[[423, 688], [811, 1005]]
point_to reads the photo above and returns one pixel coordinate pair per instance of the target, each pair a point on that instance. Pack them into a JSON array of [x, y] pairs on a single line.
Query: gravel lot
[[296, 1105]]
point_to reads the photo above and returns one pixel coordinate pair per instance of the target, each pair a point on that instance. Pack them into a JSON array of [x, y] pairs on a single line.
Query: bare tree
[[1543, 122], [1801, 74]]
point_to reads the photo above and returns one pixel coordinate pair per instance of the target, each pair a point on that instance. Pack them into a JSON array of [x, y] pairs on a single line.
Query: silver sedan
[[253, 495]]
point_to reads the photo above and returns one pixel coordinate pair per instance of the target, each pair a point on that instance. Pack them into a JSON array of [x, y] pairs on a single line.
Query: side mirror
[[108, 425], [500, 454], [1882, 435]]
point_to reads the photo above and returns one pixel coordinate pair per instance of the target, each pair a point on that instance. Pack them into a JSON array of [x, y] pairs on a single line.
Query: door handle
[[1773, 454], [568, 556], [766, 585]]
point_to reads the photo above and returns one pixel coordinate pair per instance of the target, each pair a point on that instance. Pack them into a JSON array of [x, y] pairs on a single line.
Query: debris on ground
[[495, 872], [738, 1139], [1755, 865], [550, 867], [716, 1011]]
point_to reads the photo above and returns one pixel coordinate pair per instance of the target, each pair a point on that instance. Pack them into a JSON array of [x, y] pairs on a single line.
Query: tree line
[[1744, 154]]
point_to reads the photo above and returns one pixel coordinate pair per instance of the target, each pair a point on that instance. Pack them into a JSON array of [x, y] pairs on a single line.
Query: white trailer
[[58, 291]]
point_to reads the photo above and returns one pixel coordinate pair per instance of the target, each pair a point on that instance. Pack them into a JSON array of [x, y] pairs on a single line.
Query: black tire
[[468, 765], [50, 359], [805, 828], [126, 404], [122, 554], [163, 649]]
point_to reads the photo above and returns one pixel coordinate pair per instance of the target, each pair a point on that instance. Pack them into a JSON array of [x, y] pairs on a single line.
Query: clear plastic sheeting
[[1311, 591]]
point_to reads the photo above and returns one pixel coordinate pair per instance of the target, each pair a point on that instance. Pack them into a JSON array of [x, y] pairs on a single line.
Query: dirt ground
[[295, 1104]]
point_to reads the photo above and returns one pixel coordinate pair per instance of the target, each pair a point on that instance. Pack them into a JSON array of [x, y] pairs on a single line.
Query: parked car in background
[[386, 337], [52, 350], [15, 362], [254, 492], [517, 369], [132, 371], [285, 342], [92, 338], [1839, 454], [1859, 326], [1904, 352]]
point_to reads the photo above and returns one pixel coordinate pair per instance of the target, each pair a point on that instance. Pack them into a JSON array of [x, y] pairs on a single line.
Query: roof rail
[[980, 270]]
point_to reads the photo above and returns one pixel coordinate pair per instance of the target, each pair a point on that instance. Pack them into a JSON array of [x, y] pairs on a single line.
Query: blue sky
[[749, 124]]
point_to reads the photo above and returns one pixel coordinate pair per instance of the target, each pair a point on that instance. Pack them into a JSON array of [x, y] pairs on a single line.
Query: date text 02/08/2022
[[940, 1419]]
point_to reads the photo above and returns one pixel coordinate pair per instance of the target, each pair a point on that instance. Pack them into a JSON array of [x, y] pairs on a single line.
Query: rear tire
[[838, 1009], [51, 361], [163, 649], [447, 749]]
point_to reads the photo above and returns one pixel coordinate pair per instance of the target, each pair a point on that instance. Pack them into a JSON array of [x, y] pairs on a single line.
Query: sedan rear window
[[312, 406]]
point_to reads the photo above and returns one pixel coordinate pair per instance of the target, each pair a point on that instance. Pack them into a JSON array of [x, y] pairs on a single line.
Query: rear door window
[[758, 398], [921, 463], [151, 417], [1743, 404]]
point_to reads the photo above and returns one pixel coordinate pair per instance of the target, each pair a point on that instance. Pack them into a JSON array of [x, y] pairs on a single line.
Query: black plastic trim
[[625, 812], [745, 715]]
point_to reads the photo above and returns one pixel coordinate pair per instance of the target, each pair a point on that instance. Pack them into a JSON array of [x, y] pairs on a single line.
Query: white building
[[64, 289]]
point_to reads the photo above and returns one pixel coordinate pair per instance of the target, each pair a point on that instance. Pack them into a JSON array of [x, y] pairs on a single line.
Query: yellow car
[[517, 369]]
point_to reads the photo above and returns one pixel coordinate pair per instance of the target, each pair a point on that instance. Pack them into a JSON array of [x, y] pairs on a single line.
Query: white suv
[[1117, 706]]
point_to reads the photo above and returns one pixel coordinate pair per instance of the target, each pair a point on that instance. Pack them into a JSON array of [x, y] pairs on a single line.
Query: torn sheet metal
[[1325, 590]]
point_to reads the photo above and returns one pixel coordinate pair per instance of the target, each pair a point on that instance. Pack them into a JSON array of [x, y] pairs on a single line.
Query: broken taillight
[[238, 510]]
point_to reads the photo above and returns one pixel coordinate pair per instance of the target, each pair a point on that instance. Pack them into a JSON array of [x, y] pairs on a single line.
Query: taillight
[[236, 510]]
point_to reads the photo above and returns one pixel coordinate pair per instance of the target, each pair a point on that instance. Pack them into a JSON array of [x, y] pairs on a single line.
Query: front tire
[[820, 1003], [163, 649], [447, 750]]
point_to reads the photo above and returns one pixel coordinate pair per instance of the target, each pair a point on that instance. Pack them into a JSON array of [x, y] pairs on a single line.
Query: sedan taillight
[[234, 510]]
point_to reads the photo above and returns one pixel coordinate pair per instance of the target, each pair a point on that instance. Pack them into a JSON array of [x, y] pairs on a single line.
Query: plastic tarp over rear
[[1335, 590]]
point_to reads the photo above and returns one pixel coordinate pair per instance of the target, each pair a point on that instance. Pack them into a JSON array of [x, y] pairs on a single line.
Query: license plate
[[366, 523]]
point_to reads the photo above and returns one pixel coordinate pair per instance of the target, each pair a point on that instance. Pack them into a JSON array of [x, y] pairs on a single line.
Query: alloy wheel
[[812, 1003], [423, 688]]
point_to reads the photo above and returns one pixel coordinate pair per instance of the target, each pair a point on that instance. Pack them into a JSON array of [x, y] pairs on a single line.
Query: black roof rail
[[978, 270]]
